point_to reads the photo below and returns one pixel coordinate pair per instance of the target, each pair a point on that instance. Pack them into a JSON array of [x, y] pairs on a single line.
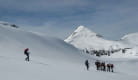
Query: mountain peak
[[83, 29], [83, 38], [80, 28], [83, 33]]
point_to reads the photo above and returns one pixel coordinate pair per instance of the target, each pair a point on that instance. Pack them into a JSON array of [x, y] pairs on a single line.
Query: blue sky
[[111, 18]]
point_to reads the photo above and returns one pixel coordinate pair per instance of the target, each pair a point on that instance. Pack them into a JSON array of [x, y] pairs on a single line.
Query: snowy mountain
[[53, 59], [85, 39], [131, 39]]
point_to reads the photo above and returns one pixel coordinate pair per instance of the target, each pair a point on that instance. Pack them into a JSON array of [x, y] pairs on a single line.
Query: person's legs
[[112, 69], [87, 67], [101, 68], [107, 68], [104, 67], [28, 58], [97, 67]]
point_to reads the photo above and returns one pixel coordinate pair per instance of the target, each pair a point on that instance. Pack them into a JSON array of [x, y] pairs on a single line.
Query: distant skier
[[108, 67], [98, 64], [112, 67], [103, 66], [87, 64], [26, 52]]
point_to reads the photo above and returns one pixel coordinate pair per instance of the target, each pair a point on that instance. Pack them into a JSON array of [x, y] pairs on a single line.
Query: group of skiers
[[104, 67], [101, 66]]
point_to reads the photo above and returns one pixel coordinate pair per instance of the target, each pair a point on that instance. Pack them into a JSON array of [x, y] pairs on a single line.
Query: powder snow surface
[[53, 59]]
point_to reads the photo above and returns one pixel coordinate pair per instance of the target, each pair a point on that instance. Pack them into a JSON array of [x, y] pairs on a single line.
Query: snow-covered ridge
[[85, 39], [79, 32], [131, 38]]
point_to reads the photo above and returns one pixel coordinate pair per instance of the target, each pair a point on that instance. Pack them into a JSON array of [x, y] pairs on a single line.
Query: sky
[[59, 18]]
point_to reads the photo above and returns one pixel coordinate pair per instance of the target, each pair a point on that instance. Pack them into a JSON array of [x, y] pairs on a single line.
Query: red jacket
[[26, 50]]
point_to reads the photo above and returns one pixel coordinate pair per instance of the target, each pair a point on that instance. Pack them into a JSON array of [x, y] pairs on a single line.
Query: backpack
[[26, 51]]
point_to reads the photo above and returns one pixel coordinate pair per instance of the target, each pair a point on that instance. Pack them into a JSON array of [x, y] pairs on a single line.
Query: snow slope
[[52, 59], [13, 41], [17, 69]]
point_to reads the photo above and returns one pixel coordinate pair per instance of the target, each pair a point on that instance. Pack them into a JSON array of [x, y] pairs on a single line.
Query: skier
[[97, 63], [87, 64], [112, 67], [27, 54], [103, 66], [108, 67]]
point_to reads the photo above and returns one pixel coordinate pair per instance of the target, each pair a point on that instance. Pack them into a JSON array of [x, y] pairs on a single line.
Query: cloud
[[41, 5], [112, 18]]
